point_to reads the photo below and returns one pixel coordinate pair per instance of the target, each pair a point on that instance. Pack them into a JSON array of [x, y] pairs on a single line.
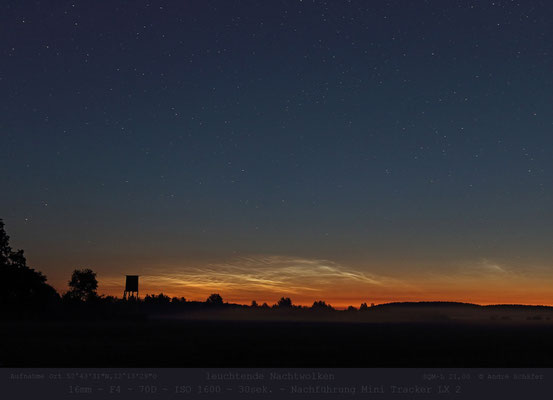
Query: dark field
[[498, 340]]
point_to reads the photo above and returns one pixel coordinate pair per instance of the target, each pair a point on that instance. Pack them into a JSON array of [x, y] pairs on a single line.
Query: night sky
[[349, 151]]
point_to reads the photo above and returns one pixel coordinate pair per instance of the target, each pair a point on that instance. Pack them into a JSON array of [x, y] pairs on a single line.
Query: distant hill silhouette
[[454, 304], [422, 304]]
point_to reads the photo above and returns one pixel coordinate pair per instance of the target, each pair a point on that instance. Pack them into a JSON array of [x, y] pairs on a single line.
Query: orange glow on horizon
[[266, 279], [337, 300]]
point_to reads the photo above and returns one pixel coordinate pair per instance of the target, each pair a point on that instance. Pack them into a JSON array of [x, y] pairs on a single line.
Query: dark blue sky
[[388, 136]]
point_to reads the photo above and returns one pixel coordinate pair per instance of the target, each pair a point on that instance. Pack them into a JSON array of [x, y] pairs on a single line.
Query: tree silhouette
[[5, 249], [83, 285], [284, 302], [21, 286], [254, 304], [363, 307], [215, 300]]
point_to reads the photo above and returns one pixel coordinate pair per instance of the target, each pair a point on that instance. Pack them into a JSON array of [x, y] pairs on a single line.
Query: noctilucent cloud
[[348, 151]]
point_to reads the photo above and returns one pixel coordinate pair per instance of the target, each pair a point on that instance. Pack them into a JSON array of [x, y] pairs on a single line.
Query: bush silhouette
[[321, 305], [178, 300], [160, 299]]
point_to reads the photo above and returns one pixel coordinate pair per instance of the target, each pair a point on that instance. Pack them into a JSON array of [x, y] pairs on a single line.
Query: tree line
[[24, 291]]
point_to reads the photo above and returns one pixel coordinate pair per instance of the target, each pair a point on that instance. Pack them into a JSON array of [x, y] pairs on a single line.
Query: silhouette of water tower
[[131, 287]]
